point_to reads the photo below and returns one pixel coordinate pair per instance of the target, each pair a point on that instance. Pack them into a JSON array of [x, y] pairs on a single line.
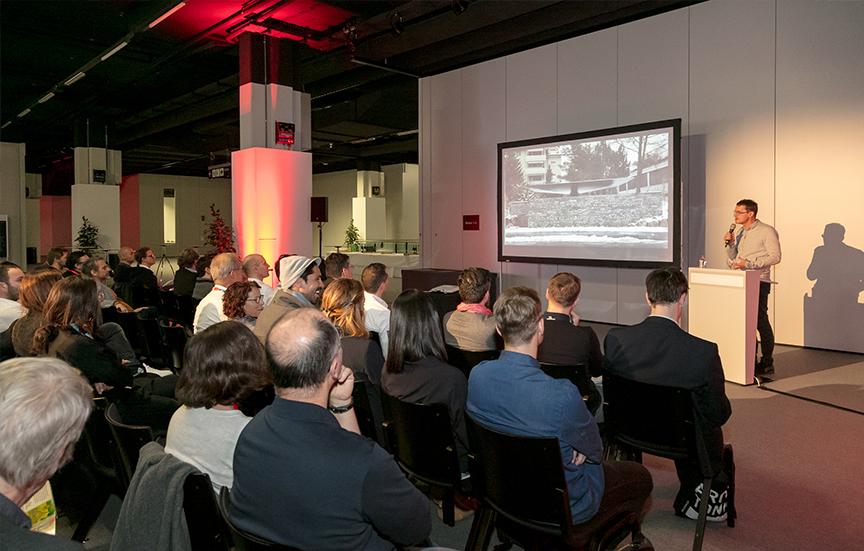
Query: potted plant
[[87, 235], [352, 237], [219, 235]]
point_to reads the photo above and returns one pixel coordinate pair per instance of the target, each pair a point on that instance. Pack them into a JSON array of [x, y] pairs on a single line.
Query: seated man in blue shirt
[[513, 395]]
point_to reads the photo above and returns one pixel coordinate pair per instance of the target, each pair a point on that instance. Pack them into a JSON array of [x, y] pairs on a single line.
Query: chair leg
[[481, 530], [729, 469], [703, 514], [448, 504], [92, 515]]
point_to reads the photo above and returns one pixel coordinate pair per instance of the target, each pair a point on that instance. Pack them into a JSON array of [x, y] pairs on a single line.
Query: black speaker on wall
[[319, 209]]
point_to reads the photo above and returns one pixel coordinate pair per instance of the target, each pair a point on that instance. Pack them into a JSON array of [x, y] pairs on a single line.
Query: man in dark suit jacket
[[657, 351], [565, 341]]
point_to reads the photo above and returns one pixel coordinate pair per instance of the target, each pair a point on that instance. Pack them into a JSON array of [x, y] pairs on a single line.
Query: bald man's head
[[301, 348]]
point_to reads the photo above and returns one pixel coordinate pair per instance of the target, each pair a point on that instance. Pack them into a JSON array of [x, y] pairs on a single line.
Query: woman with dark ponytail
[[71, 332]]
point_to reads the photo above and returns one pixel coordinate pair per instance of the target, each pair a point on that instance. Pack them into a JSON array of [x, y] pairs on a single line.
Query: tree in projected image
[[595, 161], [515, 186]]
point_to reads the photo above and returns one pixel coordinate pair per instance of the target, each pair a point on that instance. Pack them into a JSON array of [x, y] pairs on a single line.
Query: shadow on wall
[[833, 315]]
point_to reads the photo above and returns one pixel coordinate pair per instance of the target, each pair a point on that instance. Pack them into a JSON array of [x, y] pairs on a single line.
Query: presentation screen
[[601, 198]]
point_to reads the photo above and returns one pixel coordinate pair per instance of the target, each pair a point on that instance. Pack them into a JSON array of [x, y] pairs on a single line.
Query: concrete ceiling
[[169, 97]]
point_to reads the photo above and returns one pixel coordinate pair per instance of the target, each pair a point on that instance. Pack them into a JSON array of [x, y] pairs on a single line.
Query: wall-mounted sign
[[219, 171], [99, 176], [376, 191], [285, 133], [471, 222]]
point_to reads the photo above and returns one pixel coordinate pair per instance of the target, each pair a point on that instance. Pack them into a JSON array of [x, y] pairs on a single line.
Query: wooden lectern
[[723, 309]]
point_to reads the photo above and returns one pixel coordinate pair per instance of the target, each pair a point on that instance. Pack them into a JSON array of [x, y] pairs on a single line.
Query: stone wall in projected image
[[603, 211]]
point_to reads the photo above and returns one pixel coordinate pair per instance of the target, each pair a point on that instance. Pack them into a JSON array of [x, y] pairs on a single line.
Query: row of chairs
[[155, 340], [532, 509]]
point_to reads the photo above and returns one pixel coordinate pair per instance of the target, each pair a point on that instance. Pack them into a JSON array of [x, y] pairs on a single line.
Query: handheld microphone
[[731, 230]]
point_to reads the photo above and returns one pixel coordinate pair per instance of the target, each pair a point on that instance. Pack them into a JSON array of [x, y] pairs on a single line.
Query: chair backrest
[[420, 437], [207, 529], [520, 477], [244, 541], [174, 338], [465, 360], [99, 439], [129, 322], [129, 440], [186, 309], [575, 373], [169, 304], [363, 410], [649, 418], [152, 337]]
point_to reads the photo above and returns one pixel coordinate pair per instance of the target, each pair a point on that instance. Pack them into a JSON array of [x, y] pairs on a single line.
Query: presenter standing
[[756, 246]]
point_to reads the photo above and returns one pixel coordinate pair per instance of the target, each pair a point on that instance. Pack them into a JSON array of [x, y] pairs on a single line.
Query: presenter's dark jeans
[[766, 334], [627, 485]]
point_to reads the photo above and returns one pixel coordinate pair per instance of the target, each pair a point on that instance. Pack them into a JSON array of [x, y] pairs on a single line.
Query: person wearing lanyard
[[226, 269]]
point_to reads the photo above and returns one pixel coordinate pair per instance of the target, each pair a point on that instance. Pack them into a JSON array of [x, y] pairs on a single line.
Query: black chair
[[363, 411], [207, 529], [128, 439], [520, 483], [174, 343], [465, 360], [169, 305], [154, 347], [244, 541], [420, 437], [129, 322], [659, 420], [186, 309], [575, 373], [96, 444]]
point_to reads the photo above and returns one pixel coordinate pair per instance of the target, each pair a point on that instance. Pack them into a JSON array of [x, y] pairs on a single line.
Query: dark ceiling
[[169, 98]]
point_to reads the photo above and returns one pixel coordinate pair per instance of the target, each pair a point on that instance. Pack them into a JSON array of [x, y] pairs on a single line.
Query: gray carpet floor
[[800, 479]]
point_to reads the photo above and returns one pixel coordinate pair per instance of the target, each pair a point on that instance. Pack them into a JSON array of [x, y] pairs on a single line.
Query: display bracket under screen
[[607, 197]]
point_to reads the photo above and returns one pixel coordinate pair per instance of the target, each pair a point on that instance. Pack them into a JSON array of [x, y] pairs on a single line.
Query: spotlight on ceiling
[[458, 6], [396, 25], [74, 79]]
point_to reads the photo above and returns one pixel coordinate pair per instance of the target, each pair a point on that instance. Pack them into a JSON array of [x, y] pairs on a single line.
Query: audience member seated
[[300, 288], [10, 287], [127, 257], [658, 352], [337, 266], [375, 283], [222, 365], [35, 288], [44, 405], [303, 475], [143, 273], [187, 274], [242, 302], [226, 269], [512, 395], [74, 263], [564, 340], [204, 283], [342, 302], [416, 369], [56, 258], [256, 268], [99, 270], [471, 327], [72, 333]]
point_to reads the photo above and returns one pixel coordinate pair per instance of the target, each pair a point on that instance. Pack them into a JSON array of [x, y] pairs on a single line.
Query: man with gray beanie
[[299, 287]]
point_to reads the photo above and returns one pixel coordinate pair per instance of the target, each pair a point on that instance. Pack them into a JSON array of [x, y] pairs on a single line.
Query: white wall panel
[[483, 128], [588, 82], [652, 69], [820, 131], [443, 247], [532, 90], [339, 188]]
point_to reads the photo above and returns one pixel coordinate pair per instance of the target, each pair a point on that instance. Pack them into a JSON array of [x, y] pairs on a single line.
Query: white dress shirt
[[377, 318], [10, 311], [266, 291], [209, 311]]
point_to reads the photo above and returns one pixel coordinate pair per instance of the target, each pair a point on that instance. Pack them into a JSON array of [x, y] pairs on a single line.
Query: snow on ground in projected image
[[600, 237]]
